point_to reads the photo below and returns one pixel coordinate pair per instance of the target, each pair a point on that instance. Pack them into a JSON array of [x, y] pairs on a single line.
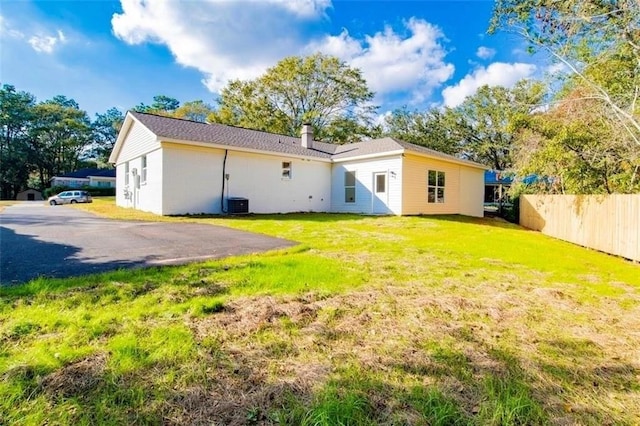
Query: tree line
[[577, 131], [42, 139]]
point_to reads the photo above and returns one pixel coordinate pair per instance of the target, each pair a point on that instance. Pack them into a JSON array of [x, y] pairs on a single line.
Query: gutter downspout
[[224, 175]]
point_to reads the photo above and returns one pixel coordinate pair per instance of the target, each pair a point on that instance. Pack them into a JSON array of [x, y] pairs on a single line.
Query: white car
[[70, 197]]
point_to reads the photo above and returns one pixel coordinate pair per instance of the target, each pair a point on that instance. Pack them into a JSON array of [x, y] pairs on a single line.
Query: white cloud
[[40, 42], [302, 8], [222, 39], [392, 62], [496, 74], [7, 30], [47, 43], [484, 52], [228, 40]]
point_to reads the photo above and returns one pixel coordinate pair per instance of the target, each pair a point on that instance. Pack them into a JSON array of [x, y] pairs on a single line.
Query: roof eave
[[241, 149], [124, 130], [450, 160], [369, 156]]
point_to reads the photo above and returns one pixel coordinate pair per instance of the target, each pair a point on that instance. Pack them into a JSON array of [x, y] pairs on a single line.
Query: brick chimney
[[307, 136]]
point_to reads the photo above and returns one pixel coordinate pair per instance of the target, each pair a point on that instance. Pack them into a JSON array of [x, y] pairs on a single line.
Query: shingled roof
[[220, 134], [85, 173]]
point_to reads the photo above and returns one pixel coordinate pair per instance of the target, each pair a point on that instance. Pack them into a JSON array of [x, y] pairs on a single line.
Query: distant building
[[100, 178], [29, 195], [496, 185]]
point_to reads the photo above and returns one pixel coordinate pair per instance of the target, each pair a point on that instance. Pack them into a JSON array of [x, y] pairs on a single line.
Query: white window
[[143, 177], [381, 183], [349, 187], [126, 173], [435, 187], [286, 170]]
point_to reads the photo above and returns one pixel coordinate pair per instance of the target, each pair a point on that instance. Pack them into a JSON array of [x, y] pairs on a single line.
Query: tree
[[481, 129], [58, 136], [582, 35], [432, 129], [318, 89], [16, 114], [194, 111], [105, 132], [577, 149], [162, 105], [484, 123]]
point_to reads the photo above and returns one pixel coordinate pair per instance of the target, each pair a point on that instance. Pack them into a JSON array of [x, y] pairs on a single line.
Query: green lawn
[[370, 320]]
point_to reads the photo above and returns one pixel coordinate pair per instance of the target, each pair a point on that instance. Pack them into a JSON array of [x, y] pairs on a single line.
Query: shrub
[[511, 212]]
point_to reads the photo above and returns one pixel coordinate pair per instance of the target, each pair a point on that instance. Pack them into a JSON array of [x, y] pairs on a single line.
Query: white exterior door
[[380, 193]]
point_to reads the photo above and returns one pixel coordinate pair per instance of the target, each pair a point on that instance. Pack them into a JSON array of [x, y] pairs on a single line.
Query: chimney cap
[[306, 124]]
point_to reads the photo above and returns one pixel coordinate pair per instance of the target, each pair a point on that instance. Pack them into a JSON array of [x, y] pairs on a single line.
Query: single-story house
[[29, 194], [172, 166], [100, 178]]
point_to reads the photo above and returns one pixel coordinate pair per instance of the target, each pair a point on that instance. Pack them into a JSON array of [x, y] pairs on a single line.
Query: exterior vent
[[237, 205]]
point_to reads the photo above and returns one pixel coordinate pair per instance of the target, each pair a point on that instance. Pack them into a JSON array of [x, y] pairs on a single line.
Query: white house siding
[[138, 141], [69, 182], [365, 170], [149, 196], [193, 181], [145, 196], [259, 179], [471, 191], [121, 200]]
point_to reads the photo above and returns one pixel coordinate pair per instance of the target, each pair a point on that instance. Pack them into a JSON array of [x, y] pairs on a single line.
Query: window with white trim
[[349, 187], [143, 177], [435, 187], [286, 170], [126, 173]]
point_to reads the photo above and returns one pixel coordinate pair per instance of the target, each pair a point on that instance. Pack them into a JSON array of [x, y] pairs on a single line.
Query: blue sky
[[121, 53]]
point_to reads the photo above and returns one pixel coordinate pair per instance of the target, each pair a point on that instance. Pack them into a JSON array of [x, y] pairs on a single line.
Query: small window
[[126, 173], [435, 187], [286, 170], [381, 184], [349, 187], [143, 178]]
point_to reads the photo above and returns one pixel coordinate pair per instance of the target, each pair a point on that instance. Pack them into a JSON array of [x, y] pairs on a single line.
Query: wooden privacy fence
[[609, 223]]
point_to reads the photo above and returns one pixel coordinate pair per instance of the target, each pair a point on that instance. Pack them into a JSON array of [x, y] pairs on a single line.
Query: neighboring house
[[101, 178], [29, 194], [172, 166], [496, 185]]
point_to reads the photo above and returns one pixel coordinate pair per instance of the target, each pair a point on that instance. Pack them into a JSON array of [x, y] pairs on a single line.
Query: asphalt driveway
[[40, 240]]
